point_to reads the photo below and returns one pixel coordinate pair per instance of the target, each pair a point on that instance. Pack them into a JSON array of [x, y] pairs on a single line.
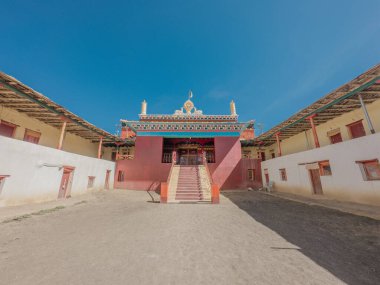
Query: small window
[[91, 181], [32, 136], [283, 174], [7, 129], [261, 155], [356, 129], [113, 156], [370, 169], [2, 181], [273, 155], [325, 168], [266, 173], [251, 174], [120, 176], [246, 153]]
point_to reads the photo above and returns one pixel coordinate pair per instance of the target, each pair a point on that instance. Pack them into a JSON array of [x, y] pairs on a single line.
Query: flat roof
[[16, 95]]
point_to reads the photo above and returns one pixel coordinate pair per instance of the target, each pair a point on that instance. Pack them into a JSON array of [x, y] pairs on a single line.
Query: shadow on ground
[[346, 245]]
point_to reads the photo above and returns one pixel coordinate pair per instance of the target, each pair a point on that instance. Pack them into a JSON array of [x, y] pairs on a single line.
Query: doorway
[[66, 181], [315, 179], [107, 182]]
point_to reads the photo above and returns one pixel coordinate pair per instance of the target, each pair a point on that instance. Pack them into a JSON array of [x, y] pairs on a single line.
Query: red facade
[[146, 170]]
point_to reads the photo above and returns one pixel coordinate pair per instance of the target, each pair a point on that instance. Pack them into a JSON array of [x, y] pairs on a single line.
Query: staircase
[[189, 183]]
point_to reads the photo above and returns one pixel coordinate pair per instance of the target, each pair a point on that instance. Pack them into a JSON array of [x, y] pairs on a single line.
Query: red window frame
[[32, 136], [365, 164], [251, 174], [9, 125], [323, 170], [283, 175], [353, 134]]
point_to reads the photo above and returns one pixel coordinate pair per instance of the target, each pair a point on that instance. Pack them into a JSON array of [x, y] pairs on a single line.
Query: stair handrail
[[204, 159], [174, 158]]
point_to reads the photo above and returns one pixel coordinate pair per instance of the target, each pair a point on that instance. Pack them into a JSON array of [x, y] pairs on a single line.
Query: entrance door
[[107, 182], [316, 181], [64, 188], [189, 157]]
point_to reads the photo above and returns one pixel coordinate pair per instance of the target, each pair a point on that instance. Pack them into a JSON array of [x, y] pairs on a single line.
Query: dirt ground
[[123, 237]]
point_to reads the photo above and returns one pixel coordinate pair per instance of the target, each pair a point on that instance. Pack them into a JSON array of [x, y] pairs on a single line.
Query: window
[[335, 136], [324, 168], [210, 156], [2, 181], [283, 174], [356, 129], [7, 129], [273, 155], [370, 169], [32, 136], [120, 176], [246, 153], [251, 174], [91, 180], [113, 155], [266, 173], [261, 155]]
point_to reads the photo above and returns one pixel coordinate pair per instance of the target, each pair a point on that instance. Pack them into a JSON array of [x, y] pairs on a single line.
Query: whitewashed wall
[[30, 181], [346, 182]]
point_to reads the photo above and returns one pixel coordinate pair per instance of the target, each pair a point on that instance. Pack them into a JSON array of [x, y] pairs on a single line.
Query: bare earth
[[122, 237]]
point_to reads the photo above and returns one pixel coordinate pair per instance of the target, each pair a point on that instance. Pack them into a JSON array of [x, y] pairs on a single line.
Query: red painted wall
[[230, 171], [146, 172]]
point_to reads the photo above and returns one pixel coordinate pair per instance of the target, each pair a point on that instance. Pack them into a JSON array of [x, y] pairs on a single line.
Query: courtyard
[[126, 237]]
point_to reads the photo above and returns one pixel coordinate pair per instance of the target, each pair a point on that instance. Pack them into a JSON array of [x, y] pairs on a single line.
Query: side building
[[331, 147], [47, 152]]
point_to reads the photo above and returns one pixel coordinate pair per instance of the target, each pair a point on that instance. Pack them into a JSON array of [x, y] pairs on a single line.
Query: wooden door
[[316, 181], [64, 188], [107, 182]]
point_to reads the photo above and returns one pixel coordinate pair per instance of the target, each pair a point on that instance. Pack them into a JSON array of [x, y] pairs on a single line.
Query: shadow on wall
[[346, 245]]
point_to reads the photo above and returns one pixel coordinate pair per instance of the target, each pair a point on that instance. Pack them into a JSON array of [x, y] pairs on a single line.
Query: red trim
[[4, 176], [365, 161], [354, 123]]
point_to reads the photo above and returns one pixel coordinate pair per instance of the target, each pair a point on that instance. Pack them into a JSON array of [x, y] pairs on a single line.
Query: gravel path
[[121, 237]]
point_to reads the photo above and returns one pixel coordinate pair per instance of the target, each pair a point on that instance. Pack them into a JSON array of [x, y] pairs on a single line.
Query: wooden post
[[279, 153], [100, 147], [164, 192], [366, 115], [315, 135], [215, 194], [60, 143]]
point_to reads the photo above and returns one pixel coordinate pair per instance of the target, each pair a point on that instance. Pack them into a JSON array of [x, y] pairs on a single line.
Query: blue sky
[[101, 59]]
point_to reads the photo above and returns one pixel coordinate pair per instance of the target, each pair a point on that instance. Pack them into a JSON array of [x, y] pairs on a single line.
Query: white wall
[[346, 182], [29, 181]]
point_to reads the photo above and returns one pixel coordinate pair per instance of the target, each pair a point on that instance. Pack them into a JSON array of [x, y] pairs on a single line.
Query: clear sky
[[100, 59]]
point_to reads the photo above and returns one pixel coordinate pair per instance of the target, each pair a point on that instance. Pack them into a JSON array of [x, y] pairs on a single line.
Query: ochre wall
[[145, 171]]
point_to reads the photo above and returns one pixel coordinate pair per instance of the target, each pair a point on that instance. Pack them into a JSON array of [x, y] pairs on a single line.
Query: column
[[278, 144], [100, 147], [315, 135], [366, 115], [63, 128]]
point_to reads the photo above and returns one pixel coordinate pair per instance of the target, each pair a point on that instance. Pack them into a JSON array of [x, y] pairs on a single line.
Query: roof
[[22, 98], [342, 100], [188, 118], [187, 129]]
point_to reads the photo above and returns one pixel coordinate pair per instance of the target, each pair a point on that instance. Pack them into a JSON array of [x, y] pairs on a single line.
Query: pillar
[[63, 128], [233, 108], [279, 153], [366, 115], [144, 105], [100, 147], [315, 135]]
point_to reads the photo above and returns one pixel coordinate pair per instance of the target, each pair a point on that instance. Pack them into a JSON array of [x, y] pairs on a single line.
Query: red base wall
[[146, 172]]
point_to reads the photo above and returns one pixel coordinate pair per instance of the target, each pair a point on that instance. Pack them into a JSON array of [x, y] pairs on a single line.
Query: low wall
[[30, 181], [346, 182]]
